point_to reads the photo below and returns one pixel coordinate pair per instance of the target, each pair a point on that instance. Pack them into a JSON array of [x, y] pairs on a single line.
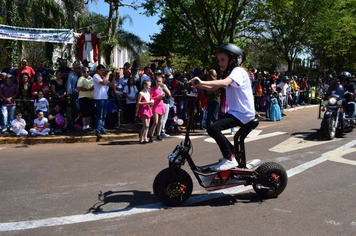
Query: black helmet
[[345, 76], [232, 50]]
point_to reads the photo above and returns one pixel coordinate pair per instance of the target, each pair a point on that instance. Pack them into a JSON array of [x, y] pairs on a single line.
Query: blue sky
[[142, 26]]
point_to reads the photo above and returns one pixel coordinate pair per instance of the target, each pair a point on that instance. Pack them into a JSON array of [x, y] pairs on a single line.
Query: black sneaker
[[159, 138], [104, 132], [85, 132], [98, 135], [151, 140]]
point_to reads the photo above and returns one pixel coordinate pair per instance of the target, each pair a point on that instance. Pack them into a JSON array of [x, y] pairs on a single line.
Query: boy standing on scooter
[[239, 98]]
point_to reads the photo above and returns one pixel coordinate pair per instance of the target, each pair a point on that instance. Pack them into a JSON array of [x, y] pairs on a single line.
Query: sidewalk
[[126, 131]]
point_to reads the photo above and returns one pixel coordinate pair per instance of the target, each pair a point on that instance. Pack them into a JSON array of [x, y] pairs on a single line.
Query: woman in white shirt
[[130, 93]]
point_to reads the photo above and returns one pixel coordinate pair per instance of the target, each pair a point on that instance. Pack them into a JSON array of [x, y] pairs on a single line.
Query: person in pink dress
[[144, 103], [157, 93]]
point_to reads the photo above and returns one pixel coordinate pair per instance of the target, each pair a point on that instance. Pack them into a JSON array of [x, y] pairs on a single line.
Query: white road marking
[[333, 222], [337, 156], [65, 220], [296, 143]]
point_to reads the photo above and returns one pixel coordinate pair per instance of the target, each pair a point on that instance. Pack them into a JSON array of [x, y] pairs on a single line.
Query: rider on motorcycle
[[239, 97], [349, 94]]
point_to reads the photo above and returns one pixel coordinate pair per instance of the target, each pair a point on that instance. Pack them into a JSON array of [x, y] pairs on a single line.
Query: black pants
[[226, 122], [131, 110]]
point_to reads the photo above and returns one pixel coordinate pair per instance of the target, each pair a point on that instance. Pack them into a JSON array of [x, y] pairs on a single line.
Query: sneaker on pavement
[[85, 132], [164, 135], [159, 138], [225, 165], [151, 140], [98, 135]]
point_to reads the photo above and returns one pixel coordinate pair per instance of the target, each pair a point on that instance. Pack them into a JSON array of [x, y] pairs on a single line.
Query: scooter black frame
[[173, 186]]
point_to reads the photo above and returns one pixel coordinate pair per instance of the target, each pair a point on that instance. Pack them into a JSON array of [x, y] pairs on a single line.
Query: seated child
[[41, 103], [58, 120], [172, 125], [111, 116], [18, 125], [40, 125], [78, 124]]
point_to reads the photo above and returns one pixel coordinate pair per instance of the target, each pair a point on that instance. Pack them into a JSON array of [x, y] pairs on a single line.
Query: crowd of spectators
[[93, 102]]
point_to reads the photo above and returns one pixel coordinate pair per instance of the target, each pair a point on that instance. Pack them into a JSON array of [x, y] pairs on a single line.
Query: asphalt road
[[106, 188]]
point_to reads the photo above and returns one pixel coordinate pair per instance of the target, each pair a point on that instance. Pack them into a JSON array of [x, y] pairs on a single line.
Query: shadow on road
[[315, 136], [134, 198], [309, 136], [228, 200], [119, 143], [144, 199]]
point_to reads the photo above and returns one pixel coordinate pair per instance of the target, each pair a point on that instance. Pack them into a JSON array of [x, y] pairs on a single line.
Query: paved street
[[105, 188]]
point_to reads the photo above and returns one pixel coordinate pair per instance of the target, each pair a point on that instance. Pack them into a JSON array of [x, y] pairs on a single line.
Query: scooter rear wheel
[[271, 180], [172, 187]]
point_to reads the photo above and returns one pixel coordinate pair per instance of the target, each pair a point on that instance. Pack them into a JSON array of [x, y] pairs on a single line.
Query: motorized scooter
[[173, 185]]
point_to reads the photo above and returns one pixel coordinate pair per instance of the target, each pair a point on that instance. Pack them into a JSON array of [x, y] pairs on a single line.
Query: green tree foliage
[[287, 26], [333, 43], [199, 25], [114, 32]]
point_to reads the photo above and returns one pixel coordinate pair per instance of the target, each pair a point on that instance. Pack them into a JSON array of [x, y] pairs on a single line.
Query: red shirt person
[[40, 85], [25, 69]]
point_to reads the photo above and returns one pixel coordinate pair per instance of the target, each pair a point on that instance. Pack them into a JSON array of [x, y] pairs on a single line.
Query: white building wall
[[121, 56]]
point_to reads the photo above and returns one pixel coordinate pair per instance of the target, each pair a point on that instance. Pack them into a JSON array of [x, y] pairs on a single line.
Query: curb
[[66, 139]]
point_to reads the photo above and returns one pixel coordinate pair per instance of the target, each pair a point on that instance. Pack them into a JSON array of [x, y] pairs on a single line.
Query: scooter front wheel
[[172, 187], [271, 180]]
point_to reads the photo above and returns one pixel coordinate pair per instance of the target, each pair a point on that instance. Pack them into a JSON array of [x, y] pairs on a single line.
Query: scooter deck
[[208, 170]]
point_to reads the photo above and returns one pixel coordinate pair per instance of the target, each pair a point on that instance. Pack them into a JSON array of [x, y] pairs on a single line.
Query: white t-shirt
[[15, 121], [40, 123], [41, 104], [131, 95], [168, 71], [239, 96], [284, 87], [100, 91]]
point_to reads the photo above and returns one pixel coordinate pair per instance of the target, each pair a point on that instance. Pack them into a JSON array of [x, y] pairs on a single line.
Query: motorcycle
[[336, 120], [173, 185]]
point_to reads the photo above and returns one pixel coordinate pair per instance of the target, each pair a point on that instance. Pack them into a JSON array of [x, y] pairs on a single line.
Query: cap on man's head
[[9, 76], [76, 65], [286, 78], [86, 61], [39, 75]]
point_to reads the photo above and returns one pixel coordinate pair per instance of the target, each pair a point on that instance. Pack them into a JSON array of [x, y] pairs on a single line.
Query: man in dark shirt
[[43, 71], [8, 92], [11, 70], [65, 70]]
